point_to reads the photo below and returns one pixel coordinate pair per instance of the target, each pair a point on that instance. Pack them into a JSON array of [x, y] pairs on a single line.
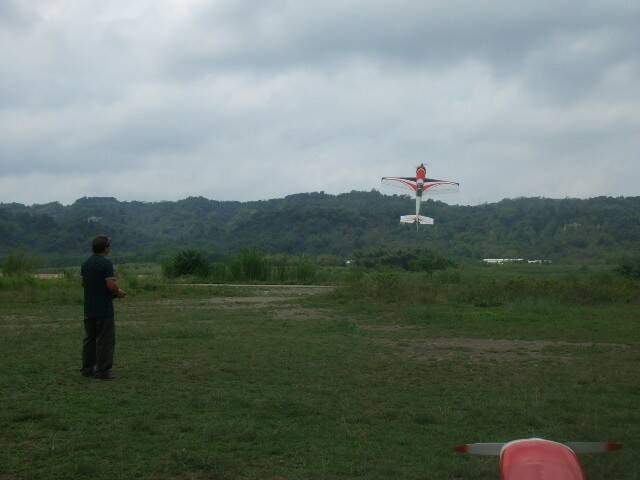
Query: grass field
[[379, 378]]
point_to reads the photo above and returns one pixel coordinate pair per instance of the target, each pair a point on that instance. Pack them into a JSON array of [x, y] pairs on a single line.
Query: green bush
[[253, 265], [629, 267], [16, 282], [27, 289], [18, 263], [71, 274], [387, 286], [186, 262], [415, 259], [219, 272], [304, 270], [487, 293], [448, 277], [279, 267]]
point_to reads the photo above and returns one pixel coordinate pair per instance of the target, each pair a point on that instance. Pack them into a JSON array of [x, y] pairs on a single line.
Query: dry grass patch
[[479, 349], [16, 318], [291, 312]]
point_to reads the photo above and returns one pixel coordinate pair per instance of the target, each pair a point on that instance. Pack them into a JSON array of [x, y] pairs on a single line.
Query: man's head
[[101, 245]]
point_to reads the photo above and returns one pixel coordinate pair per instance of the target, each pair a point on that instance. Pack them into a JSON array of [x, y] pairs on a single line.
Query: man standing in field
[[100, 289]]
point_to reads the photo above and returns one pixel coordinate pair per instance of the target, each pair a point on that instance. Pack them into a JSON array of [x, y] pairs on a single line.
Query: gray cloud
[[245, 100], [278, 33]]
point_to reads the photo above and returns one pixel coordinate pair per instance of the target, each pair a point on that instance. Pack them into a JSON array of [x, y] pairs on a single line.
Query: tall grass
[[27, 289], [252, 266], [472, 286], [458, 286], [19, 262]]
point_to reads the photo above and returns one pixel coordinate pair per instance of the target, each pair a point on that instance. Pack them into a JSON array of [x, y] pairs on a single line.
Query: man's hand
[[116, 291]]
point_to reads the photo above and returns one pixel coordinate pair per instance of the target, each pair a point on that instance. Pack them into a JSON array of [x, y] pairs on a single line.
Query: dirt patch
[[12, 318], [22, 326], [279, 311], [48, 276], [248, 296], [8, 476], [289, 312], [248, 300], [477, 349], [263, 290], [388, 328], [24, 321], [139, 323], [196, 475], [254, 301]]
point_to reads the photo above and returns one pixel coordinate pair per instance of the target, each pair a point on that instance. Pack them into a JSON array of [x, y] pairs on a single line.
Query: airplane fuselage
[[421, 175], [419, 191]]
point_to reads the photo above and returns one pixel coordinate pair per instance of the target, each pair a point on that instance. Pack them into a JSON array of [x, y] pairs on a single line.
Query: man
[[100, 288]]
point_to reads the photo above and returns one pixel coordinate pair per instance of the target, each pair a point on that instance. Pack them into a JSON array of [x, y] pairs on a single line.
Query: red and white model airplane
[[538, 459], [419, 185]]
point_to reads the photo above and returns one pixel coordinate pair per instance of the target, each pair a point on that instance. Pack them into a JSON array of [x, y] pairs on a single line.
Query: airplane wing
[[593, 447], [480, 448], [402, 183], [577, 447], [433, 186]]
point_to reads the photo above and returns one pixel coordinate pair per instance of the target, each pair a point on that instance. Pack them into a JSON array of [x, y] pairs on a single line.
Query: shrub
[[330, 261], [279, 268], [186, 262], [254, 265], [629, 267], [416, 259], [71, 274], [385, 286], [19, 263], [219, 272], [448, 277], [487, 293], [304, 270]]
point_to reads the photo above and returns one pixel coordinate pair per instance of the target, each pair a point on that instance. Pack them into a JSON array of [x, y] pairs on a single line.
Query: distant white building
[[513, 260], [502, 260]]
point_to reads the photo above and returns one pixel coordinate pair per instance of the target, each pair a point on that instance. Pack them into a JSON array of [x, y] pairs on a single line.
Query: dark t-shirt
[[98, 299]]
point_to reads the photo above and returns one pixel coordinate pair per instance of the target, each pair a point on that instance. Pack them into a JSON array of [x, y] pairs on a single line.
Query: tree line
[[600, 228]]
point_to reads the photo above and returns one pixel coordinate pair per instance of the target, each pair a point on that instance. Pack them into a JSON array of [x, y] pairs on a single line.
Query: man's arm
[[113, 286]]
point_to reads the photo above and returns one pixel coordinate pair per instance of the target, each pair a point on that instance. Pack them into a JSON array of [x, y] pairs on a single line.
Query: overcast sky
[[245, 100]]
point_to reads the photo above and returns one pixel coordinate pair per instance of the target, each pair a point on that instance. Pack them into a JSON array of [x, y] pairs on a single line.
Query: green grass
[[216, 383]]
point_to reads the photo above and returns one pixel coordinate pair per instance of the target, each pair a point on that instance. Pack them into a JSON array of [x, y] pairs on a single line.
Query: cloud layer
[[248, 100]]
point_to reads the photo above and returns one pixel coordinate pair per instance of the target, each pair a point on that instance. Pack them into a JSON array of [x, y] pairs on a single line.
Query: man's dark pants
[[99, 344]]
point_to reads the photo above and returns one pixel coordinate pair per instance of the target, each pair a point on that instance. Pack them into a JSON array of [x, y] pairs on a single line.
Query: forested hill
[[318, 223]]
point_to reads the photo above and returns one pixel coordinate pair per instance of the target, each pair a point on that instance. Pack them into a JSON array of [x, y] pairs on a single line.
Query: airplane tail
[[422, 220]]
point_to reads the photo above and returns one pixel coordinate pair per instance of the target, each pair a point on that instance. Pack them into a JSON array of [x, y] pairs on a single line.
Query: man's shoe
[[105, 375], [87, 372]]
